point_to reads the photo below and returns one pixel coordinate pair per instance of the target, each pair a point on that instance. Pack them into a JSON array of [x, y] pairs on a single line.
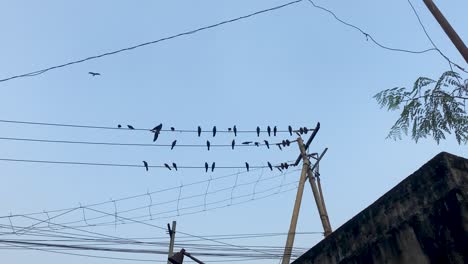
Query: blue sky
[[295, 66]]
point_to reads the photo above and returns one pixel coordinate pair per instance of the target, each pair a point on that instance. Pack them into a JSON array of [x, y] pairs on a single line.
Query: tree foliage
[[430, 108]]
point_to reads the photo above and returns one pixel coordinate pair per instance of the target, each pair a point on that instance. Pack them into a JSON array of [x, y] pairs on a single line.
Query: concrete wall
[[424, 219]]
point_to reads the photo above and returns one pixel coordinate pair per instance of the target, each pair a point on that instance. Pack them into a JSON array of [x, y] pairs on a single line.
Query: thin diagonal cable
[[151, 42]]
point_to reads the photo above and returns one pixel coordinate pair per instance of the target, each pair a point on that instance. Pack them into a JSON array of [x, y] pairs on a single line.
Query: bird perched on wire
[[247, 142], [94, 73], [119, 126], [274, 131], [206, 166], [146, 165], [306, 130], [214, 131], [212, 167], [257, 144], [173, 144], [199, 130], [266, 143], [269, 131], [288, 142], [130, 127], [258, 131], [269, 166], [233, 143], [156, 130], [247, 166], [172, 128], [208, 144], [167, 166], [174, 165], [290, 130], [235, 130]]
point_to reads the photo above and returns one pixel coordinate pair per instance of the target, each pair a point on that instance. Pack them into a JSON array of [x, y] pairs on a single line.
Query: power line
[[151, 42]]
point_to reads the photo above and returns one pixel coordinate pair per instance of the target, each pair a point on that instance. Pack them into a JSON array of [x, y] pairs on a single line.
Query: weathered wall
[[424, 219]]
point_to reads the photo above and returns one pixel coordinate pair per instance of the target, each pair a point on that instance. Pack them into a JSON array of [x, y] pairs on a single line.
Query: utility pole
[[295, 214], [451, 33], [172, 232]]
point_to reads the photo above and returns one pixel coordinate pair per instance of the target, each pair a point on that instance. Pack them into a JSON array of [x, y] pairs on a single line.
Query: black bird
[[173, 144], [229, 129], [167, 166], [212, 167], [199, 130], [258, 131], [301, 130], [233, 144], [172, 129], [306, 130], [269, 131], [288, 142], [290, 130], [286, 165], [274, 131], [130, 127], [247, 142], [267, 144], [214, 131], [235, 131], [146, 165], [283, 143], [282, 166], [156, 130], [206, 166], [269, 166], [208, 144], [247, 166], [279, 146], [119, 126], [174, 165], [94, 73], [257, 144]]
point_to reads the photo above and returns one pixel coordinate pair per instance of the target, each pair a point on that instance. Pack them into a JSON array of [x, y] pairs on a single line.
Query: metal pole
[[172, 232], [451, 33], [297, 205]]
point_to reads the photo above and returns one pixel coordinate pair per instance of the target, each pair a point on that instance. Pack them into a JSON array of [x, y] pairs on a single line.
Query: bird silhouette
[[247, 166], [156, 130], [174, 165], [247, 142], [229, 129], [167, 166], [301, 130], [214, 131], [306, 130], [269, 131], [288, 142], [279, 146], [199, 130], [146, 165], [94, 73], [233, 144], [290, 130], [235, 131], [119, 126], [208, 144], [282, 166], [274, 131], [286, 165], [172, 129], [212, 167], [206, 166], [130, 127], [269, 166], [257, 144], [266, 143], [258, 131], [173, 144]]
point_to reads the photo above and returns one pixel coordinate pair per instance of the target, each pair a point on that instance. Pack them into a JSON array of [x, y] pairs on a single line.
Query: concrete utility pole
[[297, 206], [456, 40], [172, 232]]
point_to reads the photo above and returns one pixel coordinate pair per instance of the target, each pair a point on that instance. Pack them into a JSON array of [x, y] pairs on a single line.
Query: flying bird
[[269, 131], [233, 144], [257, 144], [130, 127], [212, 167], [199, 130], [266, 143], [290, 130], [206, 166], [274, 131], [167, 166], [173, 144], [247, 142], [94, 73], [208, 144], [119, 126], [247, 166], [146, 165], [235, 131], [156, 130], [174, 165], [269, 166], [258, 131], [214, 131]]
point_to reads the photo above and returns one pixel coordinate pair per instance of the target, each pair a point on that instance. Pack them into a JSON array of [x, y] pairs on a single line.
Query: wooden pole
[[172, 232], [297, 205], [451, 33]]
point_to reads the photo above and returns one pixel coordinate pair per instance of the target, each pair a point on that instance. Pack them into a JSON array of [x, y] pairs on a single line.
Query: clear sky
[[295, 66]]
